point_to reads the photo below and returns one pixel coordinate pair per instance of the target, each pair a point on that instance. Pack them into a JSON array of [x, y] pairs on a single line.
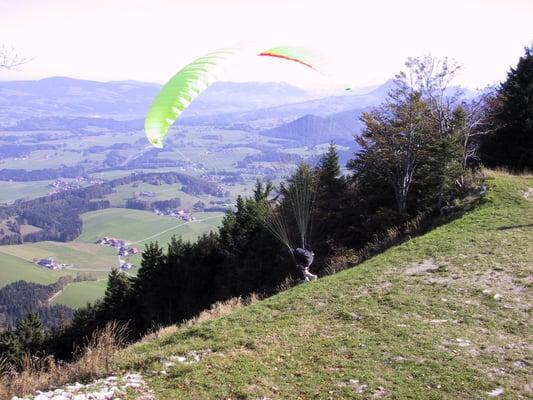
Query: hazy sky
[[366, 42]]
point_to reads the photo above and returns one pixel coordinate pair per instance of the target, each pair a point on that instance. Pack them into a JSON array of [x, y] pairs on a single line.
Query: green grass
[[76, 295], [80, 256], [440, 335], [162, 192], [142, 227], [15, 269], [12, 191], [26, 229], [83, 255]]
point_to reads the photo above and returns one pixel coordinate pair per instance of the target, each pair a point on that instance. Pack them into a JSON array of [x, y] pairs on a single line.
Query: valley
[[45, 151]]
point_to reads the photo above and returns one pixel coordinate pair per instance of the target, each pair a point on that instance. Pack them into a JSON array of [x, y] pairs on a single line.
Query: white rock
[[75, 387], [496, 392], [60, 397]]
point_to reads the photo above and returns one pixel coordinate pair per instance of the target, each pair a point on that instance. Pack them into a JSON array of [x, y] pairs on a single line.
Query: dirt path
[[49, 301]]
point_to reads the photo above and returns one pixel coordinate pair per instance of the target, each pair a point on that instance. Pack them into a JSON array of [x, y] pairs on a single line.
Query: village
[[61, 185], [123, 249], [181, 215]]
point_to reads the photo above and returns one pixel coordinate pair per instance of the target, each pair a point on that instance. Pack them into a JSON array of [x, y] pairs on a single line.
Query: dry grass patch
[[95, 360]]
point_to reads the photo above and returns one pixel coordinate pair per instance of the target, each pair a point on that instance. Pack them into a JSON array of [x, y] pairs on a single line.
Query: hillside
[[310, 129], [444, 315]]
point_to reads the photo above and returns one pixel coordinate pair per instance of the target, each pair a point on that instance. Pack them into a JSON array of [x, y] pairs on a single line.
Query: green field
[[12, 191], [77, 255], [162, 192], [446, 315], [15, 269], [84, 255], [78, 294], [141, 227]]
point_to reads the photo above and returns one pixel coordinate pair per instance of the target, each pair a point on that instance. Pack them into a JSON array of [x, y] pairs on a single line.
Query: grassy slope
[[438, 335]]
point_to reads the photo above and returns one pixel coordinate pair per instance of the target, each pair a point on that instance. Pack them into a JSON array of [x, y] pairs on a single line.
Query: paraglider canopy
[[189, 82]]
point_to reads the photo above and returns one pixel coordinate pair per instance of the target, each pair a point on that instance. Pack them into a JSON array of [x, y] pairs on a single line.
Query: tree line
[[22, 175], [21, 298]]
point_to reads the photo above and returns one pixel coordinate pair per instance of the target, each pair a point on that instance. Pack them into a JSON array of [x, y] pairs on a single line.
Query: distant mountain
[[66, 96], [74, 124], [228, 97], [318, 107], [60, 96], [221, 103], [311, 129]]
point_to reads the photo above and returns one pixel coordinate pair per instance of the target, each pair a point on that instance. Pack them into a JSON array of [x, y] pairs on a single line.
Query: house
[[47, 263]]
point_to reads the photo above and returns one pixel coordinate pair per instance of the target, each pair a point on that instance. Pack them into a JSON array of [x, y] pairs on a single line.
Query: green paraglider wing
[[193, 79], [181, 90]]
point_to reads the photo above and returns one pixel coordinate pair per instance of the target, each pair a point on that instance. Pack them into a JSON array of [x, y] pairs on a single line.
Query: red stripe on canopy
[[268, 54]]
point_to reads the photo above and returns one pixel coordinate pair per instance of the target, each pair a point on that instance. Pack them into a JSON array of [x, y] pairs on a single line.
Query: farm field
[[84, 255], [77, 294], [12, 191], [141, 227], [13, 269], [80, 256], [162, 192]]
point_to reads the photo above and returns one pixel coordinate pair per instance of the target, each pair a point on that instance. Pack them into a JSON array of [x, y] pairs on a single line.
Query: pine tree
[[329, 169], [152, 257], [330, 196], [144, 289], [116, 294], [31, 333], [11, 350], [511, 145]]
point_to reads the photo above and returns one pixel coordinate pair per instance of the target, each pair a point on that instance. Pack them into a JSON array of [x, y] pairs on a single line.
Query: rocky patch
[[130, 386]]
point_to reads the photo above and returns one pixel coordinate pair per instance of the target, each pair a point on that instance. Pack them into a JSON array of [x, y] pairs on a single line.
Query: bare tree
[[478, 117], [433, 78], [9, 58], [417, 125]]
